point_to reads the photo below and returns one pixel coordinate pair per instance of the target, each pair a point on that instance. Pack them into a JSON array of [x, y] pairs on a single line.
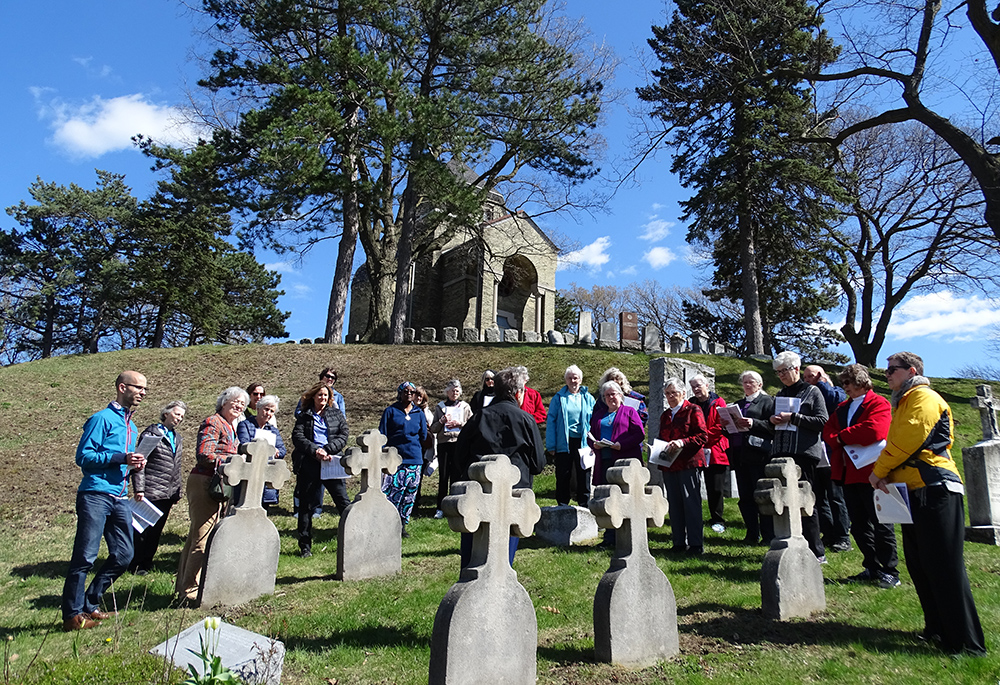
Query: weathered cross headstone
[[981, 464], [628, 327], [241, 556], [255, 659], [635, 613], [485, 628], [368, 537], [791, 580]]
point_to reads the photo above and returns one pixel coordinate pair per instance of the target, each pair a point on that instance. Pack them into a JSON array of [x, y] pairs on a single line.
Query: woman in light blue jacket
[[566, 428]]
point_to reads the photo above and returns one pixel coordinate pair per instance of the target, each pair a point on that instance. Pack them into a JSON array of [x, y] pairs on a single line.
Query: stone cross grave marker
[[984, 402], [368, 537], [635, 612], [485, 628], [791, 579], [241, 557]]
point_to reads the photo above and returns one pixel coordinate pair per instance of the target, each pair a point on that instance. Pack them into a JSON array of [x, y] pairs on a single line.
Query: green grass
[[378, 631]]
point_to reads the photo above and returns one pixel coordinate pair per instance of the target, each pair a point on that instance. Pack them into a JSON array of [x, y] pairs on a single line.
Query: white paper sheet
[[660, 455], [148, 444], [329, 470], [863, 455], [893, 507], [787, 404], [144, 514], [587, 458]]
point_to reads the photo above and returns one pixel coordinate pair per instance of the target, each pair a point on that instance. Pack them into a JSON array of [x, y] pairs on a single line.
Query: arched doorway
[[515, 294]]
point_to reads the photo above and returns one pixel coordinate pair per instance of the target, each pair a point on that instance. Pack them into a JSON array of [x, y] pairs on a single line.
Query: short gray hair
[[268, 401], [231, 393], [170, 405], [509, 382], [611, 385], [698, 377], [572, 368], [786, 360], [753, 375], [675, 383], [615, 374], [453, 383]]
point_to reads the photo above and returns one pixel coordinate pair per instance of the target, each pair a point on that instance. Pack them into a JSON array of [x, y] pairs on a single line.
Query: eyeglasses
[[890, 369], [257, 394], [782, 372], [673, 393], [328, 377]]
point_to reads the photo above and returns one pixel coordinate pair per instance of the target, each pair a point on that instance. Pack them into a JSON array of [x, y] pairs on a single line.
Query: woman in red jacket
[[682, 426], [717, 463], [862, 419]]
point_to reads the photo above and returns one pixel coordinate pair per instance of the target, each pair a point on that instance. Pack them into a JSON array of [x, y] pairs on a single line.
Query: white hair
[[453, 383], [268, 401], [610, 385], [786, 360], [752, 375], [675, 383], [573, 368], [231, 393], [697, 377]]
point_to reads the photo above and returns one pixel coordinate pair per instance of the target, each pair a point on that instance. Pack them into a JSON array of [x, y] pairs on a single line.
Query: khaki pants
[[204, 512]]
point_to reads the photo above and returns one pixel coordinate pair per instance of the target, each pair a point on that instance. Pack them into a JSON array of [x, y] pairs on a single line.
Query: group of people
[[806, 421]]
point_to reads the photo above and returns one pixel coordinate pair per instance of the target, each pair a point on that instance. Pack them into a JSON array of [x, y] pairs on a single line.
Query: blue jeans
[[97, 514]]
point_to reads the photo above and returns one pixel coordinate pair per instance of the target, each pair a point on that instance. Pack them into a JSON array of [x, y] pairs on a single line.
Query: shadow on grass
[[567, 655], [749, 626], [42, 569], [367, 637]]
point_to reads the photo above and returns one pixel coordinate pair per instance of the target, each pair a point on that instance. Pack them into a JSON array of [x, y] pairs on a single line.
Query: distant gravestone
[[791, 580], [635, 613], [677, 343], [651, 339], [409, 335], [585, 328], [485, 629], [255, 659], [449, 334], [491, 334], [369, 540], [428, 334], [510, 335], [555, 338], [241, 556], [981, 464], [628, 327], [532, 337], [566, 525], [570, 338], [470, 335], [607, 335], [699, 342]]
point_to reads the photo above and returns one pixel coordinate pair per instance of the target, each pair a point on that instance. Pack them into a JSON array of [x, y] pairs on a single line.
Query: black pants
[[933, 547], [568, 470], [715, 490], [311, 491], [834, 518], [447, 469], [876, 541], [148, 541], [759, 527], [810, 524]]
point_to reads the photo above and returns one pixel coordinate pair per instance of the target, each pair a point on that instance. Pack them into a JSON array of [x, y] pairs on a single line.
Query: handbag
[[218, 489]]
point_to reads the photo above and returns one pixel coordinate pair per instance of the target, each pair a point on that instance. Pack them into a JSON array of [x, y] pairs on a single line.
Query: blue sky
[[82, 77]]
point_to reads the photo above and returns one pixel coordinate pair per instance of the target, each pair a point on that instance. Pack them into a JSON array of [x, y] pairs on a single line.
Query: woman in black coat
[[750, 451], [320, 434], [159, 482]]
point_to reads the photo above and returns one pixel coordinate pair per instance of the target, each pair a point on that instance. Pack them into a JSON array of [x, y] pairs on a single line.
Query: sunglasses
[[889, 370]]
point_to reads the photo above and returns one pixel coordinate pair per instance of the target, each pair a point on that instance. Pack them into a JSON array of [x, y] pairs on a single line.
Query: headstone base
[[791, 581], [255, 659], [986, 535], [566, 525]]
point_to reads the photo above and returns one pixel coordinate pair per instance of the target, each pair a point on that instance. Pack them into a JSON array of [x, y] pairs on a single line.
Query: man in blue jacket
[[105, 455]]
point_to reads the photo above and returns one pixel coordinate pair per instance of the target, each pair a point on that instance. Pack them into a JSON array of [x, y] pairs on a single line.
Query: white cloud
[[630, 270], [659, 257], [943, 316], [592, 256], [100, 126], [300, 290], [657, 206], [284, 267], [655, 229]]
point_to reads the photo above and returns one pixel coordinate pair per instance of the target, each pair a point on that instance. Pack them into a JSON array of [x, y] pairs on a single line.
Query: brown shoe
[[99, 615], [79, 622]]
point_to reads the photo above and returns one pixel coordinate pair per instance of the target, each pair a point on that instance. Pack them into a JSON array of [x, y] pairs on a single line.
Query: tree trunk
[[380, 306], [404, 260], [50, 325], [159, 327]]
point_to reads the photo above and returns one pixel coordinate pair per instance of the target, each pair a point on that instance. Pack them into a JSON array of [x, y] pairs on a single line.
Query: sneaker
[[841, 546], [887, 581], [866, 576], [404, 533], [305, 553], [821, 559], [439, 514], [718, 528]]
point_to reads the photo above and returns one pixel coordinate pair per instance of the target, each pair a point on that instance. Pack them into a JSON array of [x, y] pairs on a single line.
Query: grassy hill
[[379, 631]]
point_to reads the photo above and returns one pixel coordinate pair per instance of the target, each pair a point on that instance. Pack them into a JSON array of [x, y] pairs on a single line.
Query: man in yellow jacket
[[917, 453]]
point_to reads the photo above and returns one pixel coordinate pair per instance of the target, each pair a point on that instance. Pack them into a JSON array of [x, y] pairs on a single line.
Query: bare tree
[[914, 223], [605, 302], [656, 306]]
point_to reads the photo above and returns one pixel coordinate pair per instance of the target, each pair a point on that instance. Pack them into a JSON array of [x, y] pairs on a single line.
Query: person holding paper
[[320, 433], [752, 452], [717, 463], [216, 444], [567, 425], [246, 432], [105, 454], [862, 419], [682, 427], [159, 482], [917, 453], [800, 414], [405, 427], [450, 415]]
